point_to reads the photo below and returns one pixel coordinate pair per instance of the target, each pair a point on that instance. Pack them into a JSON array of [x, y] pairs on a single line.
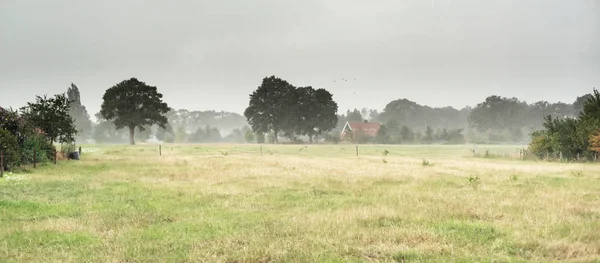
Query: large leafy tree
[[498, 113], [51, 116], [132, 103], [270, 105], [316, 112], [79, 113]]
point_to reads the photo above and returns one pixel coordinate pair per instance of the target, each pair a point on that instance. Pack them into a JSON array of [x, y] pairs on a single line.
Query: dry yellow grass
[[226, 203]]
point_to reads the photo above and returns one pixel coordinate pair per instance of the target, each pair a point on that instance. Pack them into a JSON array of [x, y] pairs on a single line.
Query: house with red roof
[[362, 127]]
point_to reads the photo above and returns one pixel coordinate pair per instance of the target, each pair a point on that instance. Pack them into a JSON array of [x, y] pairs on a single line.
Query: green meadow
[[294, 203]]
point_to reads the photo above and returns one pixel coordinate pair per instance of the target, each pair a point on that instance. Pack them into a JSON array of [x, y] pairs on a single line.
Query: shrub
[[10, 147]]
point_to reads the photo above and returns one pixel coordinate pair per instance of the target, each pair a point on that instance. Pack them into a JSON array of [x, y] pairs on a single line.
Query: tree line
[[495, 120], [570, 138]]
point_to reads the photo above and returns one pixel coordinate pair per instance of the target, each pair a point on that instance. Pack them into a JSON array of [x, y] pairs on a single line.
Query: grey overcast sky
[[212, 54]]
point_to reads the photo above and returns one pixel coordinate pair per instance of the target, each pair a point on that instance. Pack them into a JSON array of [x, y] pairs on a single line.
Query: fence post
[[159, 150], [261, 150], [356, 150], [1, 163], [34, 159], [55, 153], [79, 151]]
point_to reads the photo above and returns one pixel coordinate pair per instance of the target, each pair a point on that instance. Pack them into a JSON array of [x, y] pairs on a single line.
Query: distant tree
[[591, 107], [374, 115], [249, 136], [79, 113], [181, 134], [578, 104], [429, 135], [498, 113], [132, 103], [316, 112], [269, 107], [406, 134], [236, 136], [162, 132], [51, 116], [382, 135], [354, 115]]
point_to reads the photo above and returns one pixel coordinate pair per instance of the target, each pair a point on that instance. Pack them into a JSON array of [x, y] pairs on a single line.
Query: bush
[[10, 147], [43, 149]]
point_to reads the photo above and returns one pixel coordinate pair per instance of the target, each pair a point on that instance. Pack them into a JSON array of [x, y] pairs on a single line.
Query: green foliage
[[569, 138], [67, 148], [79, 113], [249, 136], [315, 112], [20, 140], [207, 134], [43, 149], [236, 136], [260, 137], [10, 147], [279, 106], [270, 106], [497, 113], [418, 117], [382, 135], [51, 116], [132, 103], [354, 115]]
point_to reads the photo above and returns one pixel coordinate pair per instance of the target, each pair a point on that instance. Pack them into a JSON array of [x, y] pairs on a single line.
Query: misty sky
[[212, 54]]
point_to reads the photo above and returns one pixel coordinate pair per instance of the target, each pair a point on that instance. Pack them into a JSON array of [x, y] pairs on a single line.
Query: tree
[[354, 115], [249, 136], [429, 135], [498, 113], [51, 116], [260, 137], [406, 134], [269, 106], [315, 112], [382, 135], [132, 103], [79, 113]]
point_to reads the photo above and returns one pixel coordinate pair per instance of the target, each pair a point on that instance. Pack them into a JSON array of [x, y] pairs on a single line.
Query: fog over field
[[207, 55], [300, 131]]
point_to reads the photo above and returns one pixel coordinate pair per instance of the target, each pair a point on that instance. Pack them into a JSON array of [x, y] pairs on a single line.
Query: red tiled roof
[[369, 128]]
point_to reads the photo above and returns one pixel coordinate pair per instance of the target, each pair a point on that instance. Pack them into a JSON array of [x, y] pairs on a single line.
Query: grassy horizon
[[298, 203]]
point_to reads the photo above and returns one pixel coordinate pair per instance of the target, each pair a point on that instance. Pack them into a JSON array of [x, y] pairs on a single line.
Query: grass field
[[226, 203]]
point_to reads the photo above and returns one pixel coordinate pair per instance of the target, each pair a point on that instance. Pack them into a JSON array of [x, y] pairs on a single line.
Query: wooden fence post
[[261, 150], [55, 154], [34, 159], [356, 150], [160, 150], [79, 151]]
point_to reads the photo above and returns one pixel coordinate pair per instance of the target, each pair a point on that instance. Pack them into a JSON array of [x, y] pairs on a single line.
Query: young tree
[[269, 106], [51, 116], [132, 103], [79, 113]]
